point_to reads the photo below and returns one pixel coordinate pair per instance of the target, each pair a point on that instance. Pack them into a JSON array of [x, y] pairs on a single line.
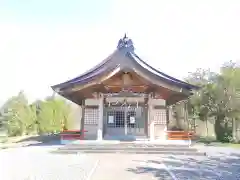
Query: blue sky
[[46, 42]]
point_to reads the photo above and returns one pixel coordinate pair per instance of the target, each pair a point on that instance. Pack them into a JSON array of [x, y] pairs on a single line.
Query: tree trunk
[[219, 129], [234, 130], [237, 122], [206, 125]]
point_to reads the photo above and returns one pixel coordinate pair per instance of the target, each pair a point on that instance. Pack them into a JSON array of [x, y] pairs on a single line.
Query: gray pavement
[[36, 163], [145, 167]]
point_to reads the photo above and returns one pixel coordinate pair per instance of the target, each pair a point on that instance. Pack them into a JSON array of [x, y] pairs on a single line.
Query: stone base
[[147, 141], [135, 147]]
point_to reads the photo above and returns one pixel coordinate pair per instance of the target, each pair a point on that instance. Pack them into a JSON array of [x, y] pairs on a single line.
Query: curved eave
[[111, 62], [160, 74], [88, 75], [94, 78]]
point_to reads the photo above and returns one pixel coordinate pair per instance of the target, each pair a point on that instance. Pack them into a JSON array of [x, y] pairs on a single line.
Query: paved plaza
[[160, 167], [37, 163]]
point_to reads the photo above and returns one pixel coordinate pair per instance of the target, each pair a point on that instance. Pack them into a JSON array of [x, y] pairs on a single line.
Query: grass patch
[[206, 140], [213, 142], [232, 145], [6, 139], [3, 139]]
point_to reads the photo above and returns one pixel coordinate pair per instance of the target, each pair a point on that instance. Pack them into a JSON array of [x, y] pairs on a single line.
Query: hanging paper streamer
[[132, 120], [110, 119]]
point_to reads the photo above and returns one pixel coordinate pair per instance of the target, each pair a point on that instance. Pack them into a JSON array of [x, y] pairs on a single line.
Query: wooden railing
[[72, 135], [180, 135]]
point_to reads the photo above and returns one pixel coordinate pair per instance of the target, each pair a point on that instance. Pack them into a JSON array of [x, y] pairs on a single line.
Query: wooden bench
[[180, 135], [72, 135]]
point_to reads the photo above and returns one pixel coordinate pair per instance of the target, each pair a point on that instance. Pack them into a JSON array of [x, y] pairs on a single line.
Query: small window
[[91, 116]]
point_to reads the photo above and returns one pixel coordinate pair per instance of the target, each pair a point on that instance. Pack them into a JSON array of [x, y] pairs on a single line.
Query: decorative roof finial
[[125, 42]]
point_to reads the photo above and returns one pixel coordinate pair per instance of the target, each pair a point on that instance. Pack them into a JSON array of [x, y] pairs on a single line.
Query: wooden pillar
[[151, 118], [83, 117], [185, 115], [146, 119], [100, 121], [167, 115], [186, 109]]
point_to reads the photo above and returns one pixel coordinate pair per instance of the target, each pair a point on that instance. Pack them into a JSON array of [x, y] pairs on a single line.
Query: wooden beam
[[159, 107], [132, 88]]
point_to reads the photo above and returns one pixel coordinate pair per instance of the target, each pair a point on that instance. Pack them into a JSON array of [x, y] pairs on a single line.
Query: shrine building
[[124, 98]]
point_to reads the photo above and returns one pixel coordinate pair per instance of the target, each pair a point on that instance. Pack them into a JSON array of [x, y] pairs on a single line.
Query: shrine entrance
[[124, 121]]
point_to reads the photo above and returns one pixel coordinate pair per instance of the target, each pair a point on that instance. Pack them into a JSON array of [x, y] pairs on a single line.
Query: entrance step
[[194, 153], [129, 148], [126, 137]]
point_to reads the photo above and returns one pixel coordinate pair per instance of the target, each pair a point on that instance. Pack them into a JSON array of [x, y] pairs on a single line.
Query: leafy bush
[[48, 116]]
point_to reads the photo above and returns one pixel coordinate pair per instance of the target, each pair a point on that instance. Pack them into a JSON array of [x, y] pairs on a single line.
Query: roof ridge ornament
[[125, 42]]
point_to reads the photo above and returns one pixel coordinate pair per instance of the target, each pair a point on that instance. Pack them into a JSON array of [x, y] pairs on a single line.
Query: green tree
[[227, 92], [218, 98], [54, 113], [199, 105], [48, 116], [18, 116]]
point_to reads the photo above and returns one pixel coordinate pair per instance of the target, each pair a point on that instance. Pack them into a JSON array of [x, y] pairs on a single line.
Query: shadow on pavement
[[205, 168], [159, 173], [42, 140]]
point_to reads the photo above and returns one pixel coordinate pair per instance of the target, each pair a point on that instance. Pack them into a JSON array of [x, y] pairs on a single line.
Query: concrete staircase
[[129, 148]]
